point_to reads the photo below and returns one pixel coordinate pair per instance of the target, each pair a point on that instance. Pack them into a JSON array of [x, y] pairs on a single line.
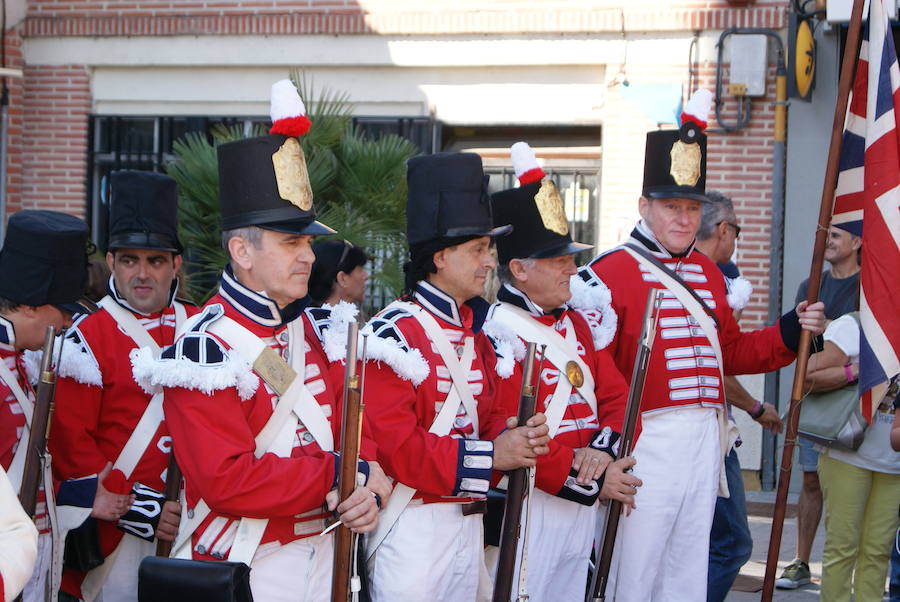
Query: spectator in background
[[339, 273], [730, 542], [839, 290], [860, 488]]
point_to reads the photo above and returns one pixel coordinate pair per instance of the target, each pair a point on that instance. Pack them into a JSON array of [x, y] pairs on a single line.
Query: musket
[[40, 426], [172, 493], [346, 584], [626, 441], [516, 489]]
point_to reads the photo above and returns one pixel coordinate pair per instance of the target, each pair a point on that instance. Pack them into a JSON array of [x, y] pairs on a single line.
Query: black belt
[[479, 507]]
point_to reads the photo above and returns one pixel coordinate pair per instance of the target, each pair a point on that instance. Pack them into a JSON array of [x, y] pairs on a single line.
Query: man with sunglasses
[[730, 542], [684, 434]]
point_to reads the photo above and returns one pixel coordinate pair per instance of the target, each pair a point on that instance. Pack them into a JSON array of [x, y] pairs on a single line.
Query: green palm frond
[[359, 186]]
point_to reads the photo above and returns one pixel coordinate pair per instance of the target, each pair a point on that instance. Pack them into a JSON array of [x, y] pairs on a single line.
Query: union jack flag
[[867, 200]]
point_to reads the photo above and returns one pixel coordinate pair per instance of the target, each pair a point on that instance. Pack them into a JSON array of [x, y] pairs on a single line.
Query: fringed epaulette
[[508, 347], [330, 323], [739, 291], [593, 300], [196, 361], [387, 344], [32, 361], [78, 361]]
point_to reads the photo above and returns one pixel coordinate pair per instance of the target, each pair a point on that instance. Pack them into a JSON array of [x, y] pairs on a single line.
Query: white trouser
[[662, 548], [297, 572], [36, 590], [433, 553], [560, 534], [121, 583]]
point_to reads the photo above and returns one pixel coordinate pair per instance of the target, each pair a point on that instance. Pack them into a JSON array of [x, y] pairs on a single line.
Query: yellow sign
[[804, 58], [291, 174]]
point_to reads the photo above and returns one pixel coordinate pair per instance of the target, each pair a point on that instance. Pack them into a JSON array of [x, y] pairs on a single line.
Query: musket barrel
[[40, 427], [351, 432], [626, 441], [515, 491]]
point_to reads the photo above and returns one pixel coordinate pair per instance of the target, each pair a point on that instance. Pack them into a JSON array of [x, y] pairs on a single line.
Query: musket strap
[[560, 350], [402, 494], [18, 461], [693, 305]]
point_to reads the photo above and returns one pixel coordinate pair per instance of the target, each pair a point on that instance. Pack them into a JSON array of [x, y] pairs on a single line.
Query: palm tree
[[358, 183]]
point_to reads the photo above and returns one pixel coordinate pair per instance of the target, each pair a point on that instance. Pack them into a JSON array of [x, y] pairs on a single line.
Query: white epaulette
[[739, 291], [387, 344], [334, 333], [593, 300], [78, 361], [196, 361], [508, 347]]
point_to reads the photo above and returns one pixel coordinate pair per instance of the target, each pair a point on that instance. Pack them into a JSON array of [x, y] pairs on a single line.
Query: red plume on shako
[[525, 164], [287, 110]]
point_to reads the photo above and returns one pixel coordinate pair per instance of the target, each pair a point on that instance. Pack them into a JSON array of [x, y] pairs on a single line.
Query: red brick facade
[[48, 166]]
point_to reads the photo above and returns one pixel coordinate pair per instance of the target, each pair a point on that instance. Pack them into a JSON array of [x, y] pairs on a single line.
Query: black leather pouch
[[82, 551], [177, 580]]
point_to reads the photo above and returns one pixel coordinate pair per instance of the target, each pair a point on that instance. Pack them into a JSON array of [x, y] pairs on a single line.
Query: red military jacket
[[12, 417], [406, 385], [683, 370], [215, 405], [580, 426], [98, 406]]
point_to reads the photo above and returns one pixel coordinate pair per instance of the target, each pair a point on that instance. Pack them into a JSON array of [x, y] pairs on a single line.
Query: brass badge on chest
[[291, 174], [550, 206], [574, 374], [685, 163], [274, 370]]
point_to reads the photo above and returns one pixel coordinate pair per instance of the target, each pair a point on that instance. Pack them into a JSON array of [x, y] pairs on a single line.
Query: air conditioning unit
[[838, 11]]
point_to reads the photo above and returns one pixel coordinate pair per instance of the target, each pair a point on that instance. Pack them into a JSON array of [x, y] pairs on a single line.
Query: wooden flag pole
[[826, 208]]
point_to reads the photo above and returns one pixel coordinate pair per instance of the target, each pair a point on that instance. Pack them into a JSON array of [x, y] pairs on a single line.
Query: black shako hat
[[143, 211], [447, 199], [263, 181], [675, 160], [44, 259], [675, 164], [538, 217]]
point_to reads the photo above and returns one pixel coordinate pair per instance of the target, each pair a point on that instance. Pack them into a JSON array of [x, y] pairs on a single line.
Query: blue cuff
[[361, 466], [606, 440], [789, 325], [474, 463], [79, 493], [581, 494]]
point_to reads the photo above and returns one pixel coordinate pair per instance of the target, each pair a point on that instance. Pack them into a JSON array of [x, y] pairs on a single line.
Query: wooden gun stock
[[351, 432], [632, 411], [173, 492], [515, 490], [40, 427]]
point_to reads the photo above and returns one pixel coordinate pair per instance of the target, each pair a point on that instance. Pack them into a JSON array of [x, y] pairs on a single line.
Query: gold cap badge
[[291, 174], [685, 163], [550, 206]]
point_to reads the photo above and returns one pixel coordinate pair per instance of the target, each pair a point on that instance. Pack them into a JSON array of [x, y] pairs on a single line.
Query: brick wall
[[47, 166], [171, 17], [56, 104]]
